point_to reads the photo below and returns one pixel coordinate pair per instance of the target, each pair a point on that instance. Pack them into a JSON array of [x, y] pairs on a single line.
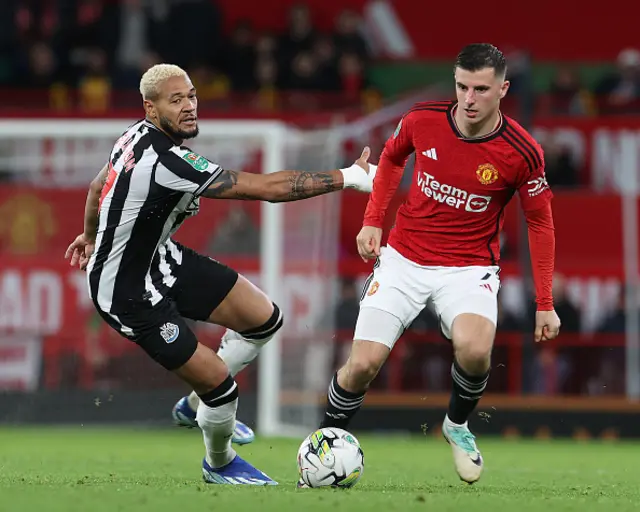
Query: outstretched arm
[[275, 187], [285, 186]]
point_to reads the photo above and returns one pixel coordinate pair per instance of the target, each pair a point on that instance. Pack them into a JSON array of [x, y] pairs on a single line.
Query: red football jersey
[[454, 210]]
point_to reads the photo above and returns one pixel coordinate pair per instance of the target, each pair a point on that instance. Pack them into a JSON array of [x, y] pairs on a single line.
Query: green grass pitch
[[89, 469]]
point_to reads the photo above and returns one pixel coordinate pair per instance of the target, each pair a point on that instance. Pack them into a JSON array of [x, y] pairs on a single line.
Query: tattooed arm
[[284, 186], [275, 187]]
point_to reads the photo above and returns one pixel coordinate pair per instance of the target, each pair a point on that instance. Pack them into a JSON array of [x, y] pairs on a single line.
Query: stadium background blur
[[322, 64]]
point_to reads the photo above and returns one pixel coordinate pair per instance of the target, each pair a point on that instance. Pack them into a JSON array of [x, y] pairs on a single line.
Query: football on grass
[[330, 457]]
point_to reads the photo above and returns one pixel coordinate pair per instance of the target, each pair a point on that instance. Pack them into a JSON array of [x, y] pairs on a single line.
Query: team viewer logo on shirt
[[196, 161], [455, 197], [487, 174]]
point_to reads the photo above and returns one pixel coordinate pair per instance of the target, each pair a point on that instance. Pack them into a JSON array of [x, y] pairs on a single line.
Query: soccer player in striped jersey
[[443, 250], [144, 284]]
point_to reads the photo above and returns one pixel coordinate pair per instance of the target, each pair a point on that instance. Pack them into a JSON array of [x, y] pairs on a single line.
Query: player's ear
[[504, 88], [149, 109]]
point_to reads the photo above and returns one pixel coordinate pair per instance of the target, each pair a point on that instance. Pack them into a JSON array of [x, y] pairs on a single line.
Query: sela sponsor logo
[[537, 186], [452, 196]]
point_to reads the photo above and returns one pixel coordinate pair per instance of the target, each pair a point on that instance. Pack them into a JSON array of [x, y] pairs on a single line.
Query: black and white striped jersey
[[153, 185]]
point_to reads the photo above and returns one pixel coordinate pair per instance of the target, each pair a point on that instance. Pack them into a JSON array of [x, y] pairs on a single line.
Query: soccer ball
[[330, 457]]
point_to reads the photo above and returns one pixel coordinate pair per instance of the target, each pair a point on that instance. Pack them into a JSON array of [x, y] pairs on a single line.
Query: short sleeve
[[183, 170]]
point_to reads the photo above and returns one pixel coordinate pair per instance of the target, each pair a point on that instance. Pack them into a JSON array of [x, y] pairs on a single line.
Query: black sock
[[341, 405], [466, 393]]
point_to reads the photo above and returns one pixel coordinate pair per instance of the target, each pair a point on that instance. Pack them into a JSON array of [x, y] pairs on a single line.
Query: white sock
[[217, 424], [446, 418], [194, 400], [238, 352]]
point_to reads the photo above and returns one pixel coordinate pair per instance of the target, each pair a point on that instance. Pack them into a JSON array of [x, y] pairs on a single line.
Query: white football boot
[[466, 456]]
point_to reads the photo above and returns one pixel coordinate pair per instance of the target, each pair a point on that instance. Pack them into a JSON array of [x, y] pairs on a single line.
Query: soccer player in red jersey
[[443, 251]]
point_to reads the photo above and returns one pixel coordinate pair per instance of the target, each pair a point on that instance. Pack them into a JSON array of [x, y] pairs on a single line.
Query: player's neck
[[176, 141], [476, 130]]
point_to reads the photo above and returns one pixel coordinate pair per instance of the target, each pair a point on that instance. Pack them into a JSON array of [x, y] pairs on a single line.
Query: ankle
[[217, 460], [451, 423], [342, 405]]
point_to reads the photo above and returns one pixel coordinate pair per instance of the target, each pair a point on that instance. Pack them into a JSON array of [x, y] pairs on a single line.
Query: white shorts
[[402, 288]]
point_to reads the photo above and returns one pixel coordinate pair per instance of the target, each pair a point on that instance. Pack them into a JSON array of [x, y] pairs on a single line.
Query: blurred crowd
[[615, 93], [87, 53], [98, 47]]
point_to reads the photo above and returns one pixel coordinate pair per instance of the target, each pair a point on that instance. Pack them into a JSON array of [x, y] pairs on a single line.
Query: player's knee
[[473, 354], [472, 337], [474, 362], [265, 332]]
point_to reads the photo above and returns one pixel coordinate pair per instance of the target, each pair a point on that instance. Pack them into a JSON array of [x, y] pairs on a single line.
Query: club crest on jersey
[[487, 174], [196, 161], [169, 332], [374, 288]]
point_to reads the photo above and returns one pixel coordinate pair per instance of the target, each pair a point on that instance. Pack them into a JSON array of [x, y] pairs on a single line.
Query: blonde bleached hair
[[154, 76]]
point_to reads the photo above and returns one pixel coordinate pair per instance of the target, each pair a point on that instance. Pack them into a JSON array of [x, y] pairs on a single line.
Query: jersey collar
[[474, 140]]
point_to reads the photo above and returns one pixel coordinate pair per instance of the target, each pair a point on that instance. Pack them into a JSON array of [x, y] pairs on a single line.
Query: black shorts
[[201, 285], [161, 330]]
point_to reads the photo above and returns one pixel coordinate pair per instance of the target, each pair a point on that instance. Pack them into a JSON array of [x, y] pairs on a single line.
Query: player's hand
[[547, 326], [363, 162], [368, 241], [361, 174], [80, 251]]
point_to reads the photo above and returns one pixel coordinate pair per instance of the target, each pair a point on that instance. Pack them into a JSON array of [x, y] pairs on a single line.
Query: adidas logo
[[431, 153]]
